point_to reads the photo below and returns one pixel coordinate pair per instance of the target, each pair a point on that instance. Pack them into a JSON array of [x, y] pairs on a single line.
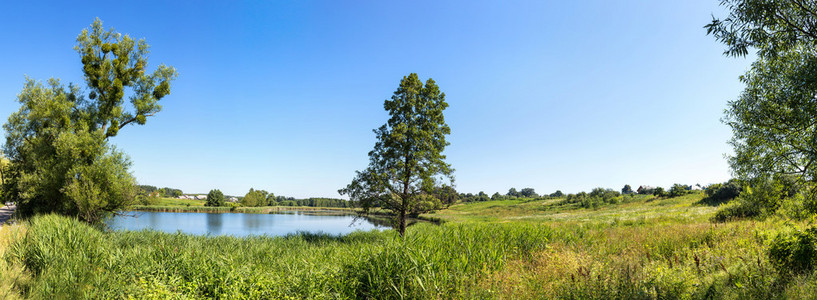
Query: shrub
[[760, 201], [215, 198], [678, 190], [722, 192], [659, 192], [794, 251], [737, 210]]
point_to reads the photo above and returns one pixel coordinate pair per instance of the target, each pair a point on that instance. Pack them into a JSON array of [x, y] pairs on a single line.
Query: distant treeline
[[513, 193], [163, 192], [313, 202]]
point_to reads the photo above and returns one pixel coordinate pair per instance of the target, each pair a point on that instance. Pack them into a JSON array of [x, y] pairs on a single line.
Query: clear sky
[[283, 95]]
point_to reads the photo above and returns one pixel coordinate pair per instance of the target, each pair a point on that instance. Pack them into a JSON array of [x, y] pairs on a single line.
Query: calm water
[[238, 224]]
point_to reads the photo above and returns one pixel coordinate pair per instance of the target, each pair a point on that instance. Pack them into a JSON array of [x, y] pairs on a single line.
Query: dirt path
[[6, 212]]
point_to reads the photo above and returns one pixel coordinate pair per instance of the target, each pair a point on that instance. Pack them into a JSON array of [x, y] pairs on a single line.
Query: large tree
[[254, 198], [406, 164], [773, 120], [57, 143], [215, 198]]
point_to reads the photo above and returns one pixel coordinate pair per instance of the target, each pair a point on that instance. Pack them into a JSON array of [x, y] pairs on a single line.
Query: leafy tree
[[170, 192], [271, 200], [447, 195], [496, 196], [254, 198], [528, 192], [678, 190], [215, 198], [723, 192], [659, 192], [57, 142], [557, 194], [627, 189], [513, 192], [482, 196], [772, 120], [406, 163]]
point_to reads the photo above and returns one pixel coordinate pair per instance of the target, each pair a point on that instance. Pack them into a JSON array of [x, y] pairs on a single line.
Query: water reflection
[[239, 224], [214, 223]]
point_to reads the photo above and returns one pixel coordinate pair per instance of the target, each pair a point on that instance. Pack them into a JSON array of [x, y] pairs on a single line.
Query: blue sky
[[283, 95]]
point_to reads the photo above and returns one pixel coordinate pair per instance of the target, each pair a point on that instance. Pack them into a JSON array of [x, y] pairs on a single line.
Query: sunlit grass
[[642, 248]]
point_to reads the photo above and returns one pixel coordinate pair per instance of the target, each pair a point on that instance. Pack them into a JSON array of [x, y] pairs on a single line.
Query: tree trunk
[[402, 223]]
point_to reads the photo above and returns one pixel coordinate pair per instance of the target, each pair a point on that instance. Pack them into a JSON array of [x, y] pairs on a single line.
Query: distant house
[[201, 197], [645, 189], [233, 199]]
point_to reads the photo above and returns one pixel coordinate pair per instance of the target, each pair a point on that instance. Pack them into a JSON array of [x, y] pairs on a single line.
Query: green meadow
[[642, 248]]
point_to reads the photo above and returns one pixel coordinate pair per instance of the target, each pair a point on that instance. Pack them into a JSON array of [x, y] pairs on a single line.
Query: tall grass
[[645, 249], [69, 259], [12, 275]]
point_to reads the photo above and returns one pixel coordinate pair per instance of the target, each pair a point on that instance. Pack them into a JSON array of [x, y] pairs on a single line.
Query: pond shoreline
[[224, 209], [271, 210]]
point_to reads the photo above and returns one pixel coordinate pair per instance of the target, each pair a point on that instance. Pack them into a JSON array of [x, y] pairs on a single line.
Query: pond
[[242, 224]]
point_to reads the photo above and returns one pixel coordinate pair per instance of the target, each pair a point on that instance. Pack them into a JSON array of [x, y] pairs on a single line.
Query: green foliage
[[772, 120], [254, 198], [769, 26], [678, 190], [645, 190], [72, 260], [659, 192], [627, 189], [794, 251], [596, 198], [407, 163], [113, 62], [446, 194], [271, 199], [59, 157], [170, 192], [215, 198], [313, 202], [101, 188], [722, 192], [528, 193], [762, 199]]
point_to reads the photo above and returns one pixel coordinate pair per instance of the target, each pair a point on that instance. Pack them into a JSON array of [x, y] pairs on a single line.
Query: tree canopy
[[254, 198], [215, 198], [406, 164], [772, 120], [57, 142]]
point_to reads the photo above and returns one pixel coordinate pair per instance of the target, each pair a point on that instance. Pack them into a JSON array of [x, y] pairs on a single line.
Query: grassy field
[[644, 248], [179, 202]]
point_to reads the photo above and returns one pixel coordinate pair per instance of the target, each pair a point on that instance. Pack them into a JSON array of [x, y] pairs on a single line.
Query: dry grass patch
[[13, 276]]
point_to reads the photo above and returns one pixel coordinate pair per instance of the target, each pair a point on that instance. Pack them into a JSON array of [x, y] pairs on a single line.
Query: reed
[[72, 260], [646, 248]]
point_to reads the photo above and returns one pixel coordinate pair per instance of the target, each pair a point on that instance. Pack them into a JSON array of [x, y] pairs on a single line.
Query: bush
[[794, 251], [737, 210], [722, 192], [759, 201], [215, 198], [659, 192], [597, 197], [678, 190]]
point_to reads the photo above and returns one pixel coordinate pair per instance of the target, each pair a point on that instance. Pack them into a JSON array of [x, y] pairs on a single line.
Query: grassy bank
[[642, 248], [72, 260]]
